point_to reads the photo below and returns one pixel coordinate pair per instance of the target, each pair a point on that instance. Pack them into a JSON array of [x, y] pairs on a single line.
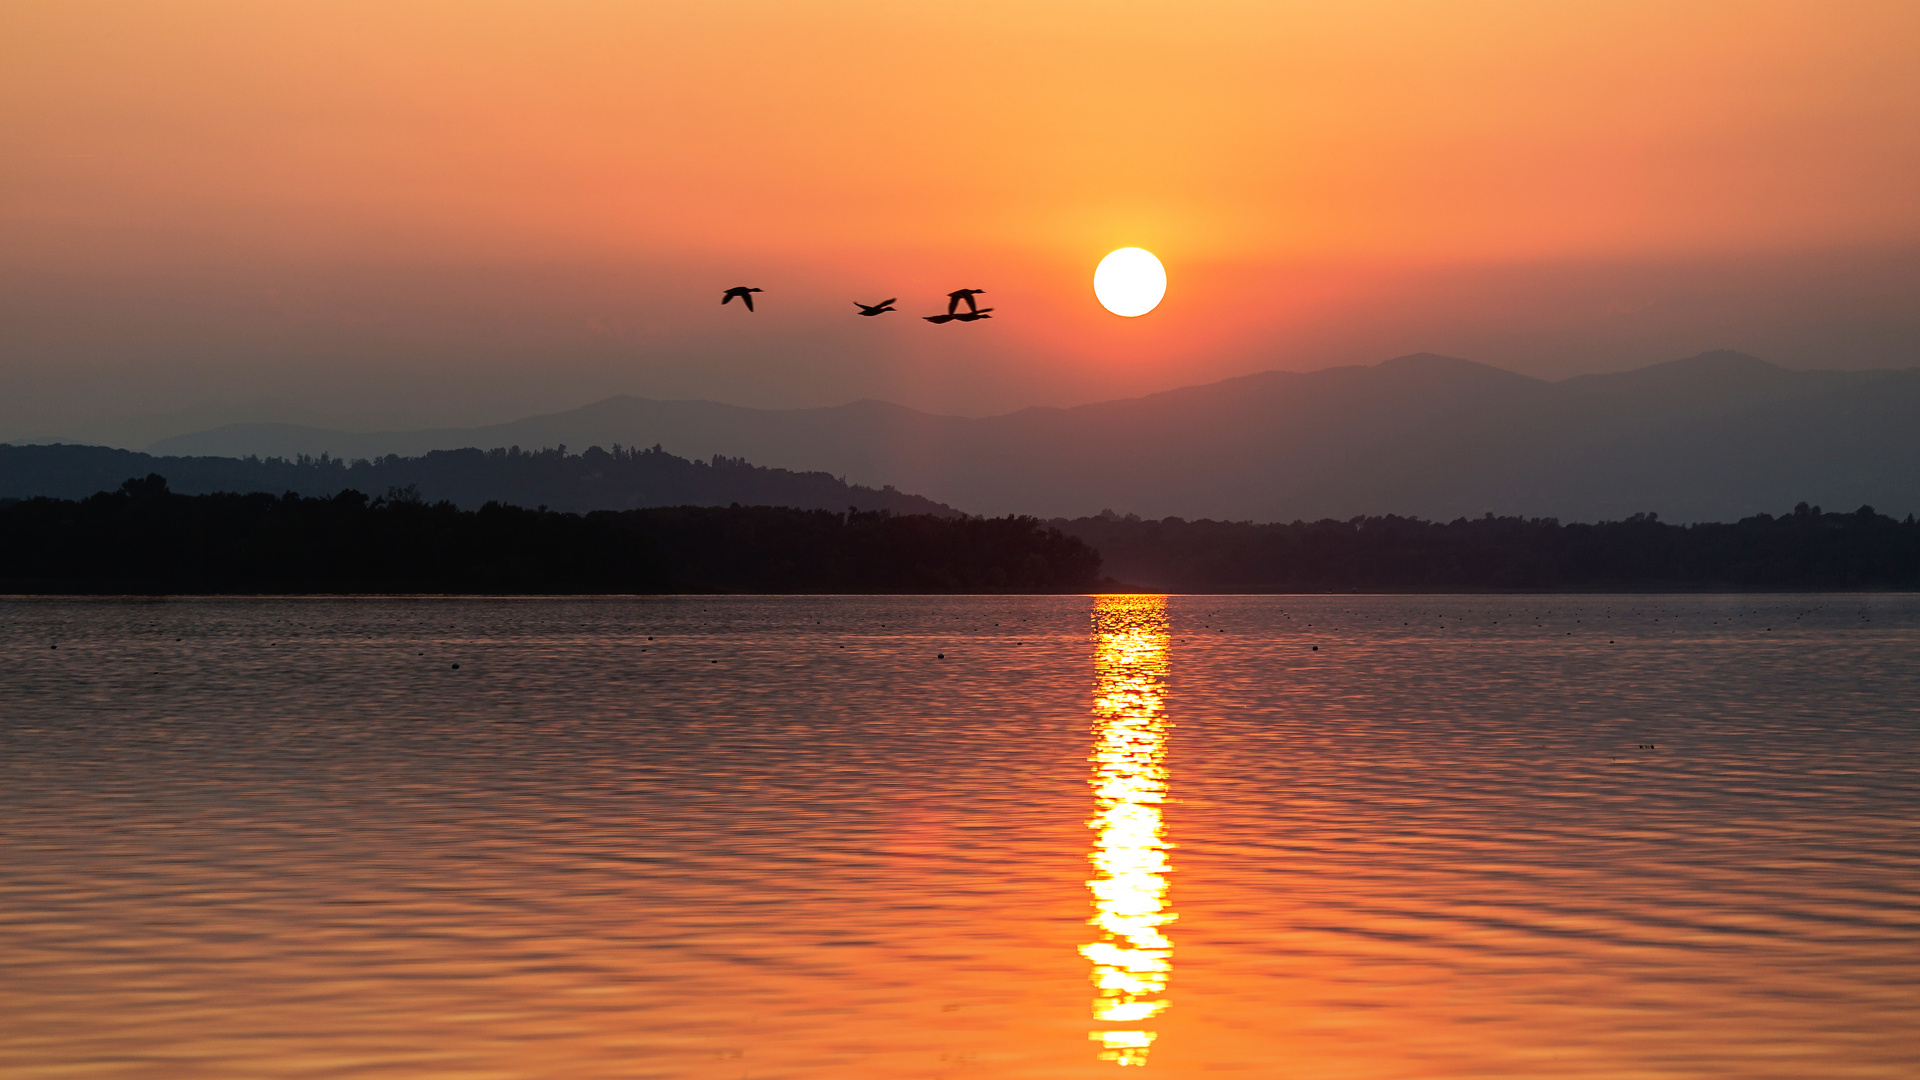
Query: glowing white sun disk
[[1130, 282]]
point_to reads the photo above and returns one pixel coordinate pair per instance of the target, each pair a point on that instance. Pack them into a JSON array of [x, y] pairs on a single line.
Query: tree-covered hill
[[145, 539], [617, 479]]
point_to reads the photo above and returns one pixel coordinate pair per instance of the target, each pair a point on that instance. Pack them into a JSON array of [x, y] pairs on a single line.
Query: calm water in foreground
[[1125, 836]]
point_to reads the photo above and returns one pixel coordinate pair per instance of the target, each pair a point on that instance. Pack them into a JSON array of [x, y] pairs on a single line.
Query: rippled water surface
[[961, 837]]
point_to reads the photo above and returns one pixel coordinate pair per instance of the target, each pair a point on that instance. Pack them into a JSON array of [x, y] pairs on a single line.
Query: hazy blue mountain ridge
[[1717, 436]]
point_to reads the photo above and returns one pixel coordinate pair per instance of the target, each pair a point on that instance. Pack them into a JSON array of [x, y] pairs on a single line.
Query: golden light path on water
[[1133, 957]]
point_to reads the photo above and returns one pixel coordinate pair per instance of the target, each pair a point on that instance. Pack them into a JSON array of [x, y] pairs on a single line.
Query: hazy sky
[[471, 210]]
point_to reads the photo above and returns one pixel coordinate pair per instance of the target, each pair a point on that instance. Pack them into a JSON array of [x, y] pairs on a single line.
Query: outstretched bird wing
[[747, 299]]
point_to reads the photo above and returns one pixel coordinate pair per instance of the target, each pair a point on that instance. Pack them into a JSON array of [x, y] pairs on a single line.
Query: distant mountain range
[[1715, 437], [594, 480]]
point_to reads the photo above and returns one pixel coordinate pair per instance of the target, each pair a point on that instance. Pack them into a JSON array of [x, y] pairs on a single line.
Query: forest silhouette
[[1804, 549], [623, 478], [145, 539]]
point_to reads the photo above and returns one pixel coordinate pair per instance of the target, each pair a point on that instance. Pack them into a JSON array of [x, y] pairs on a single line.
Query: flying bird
[[745, 294], [875, 309], [964, 316], [957, 295]]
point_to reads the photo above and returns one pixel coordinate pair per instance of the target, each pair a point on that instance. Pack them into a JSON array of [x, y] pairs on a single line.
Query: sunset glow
[[501, 207], [600, 538]]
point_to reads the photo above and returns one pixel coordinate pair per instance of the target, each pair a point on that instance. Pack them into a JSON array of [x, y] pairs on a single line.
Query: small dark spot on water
[[456, 667]]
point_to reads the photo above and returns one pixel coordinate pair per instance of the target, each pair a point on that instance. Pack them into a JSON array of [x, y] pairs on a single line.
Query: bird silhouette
[[957, 295], [963, 316], [875, 309], [745, 294]]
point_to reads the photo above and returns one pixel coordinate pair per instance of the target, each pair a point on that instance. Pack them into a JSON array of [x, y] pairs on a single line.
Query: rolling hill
[[1714, 437], [597, 479]]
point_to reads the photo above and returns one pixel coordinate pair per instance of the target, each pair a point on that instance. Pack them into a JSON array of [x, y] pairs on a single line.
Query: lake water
[[908, 837]]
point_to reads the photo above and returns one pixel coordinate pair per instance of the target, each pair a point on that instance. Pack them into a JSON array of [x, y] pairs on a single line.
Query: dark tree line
[[1806, 549], [619, 479], [144, 538]]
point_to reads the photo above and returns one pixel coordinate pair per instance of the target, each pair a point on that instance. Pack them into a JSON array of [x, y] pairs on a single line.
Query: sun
[[1130, 282]]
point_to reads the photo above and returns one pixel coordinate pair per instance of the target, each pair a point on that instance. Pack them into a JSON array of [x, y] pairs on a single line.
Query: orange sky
[[1289, 161]]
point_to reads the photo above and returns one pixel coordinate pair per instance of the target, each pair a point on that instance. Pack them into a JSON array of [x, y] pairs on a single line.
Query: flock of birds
[[955, 298]]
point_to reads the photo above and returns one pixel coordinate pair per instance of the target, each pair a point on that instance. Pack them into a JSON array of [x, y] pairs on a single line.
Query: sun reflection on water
[[1133, 958]]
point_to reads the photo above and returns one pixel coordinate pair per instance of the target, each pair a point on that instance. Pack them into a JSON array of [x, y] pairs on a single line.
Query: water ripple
[[1658, 836]]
